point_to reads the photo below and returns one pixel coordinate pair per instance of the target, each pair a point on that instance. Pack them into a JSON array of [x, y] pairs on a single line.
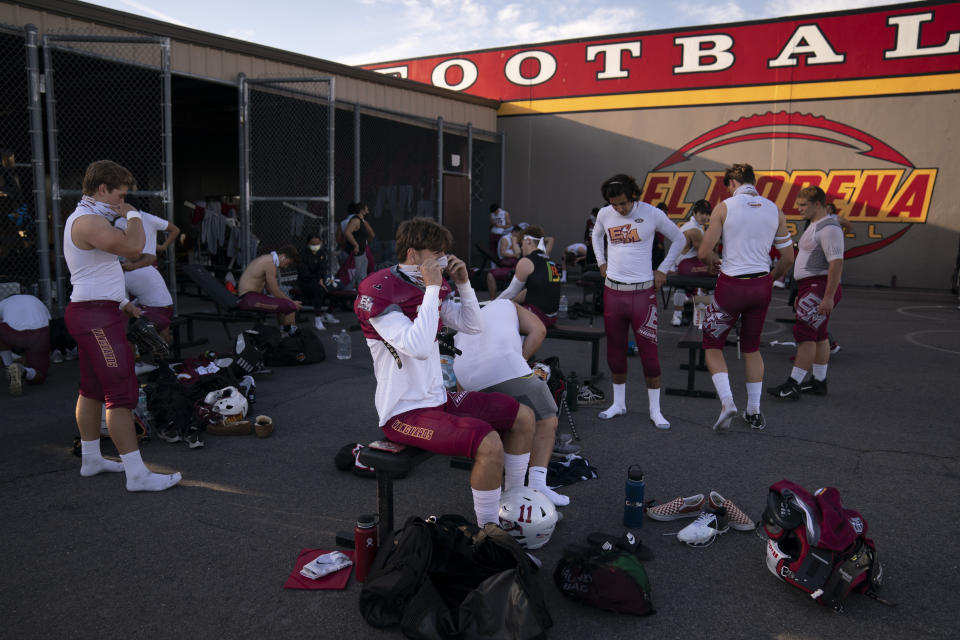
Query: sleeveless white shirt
[[495, 354], [94, 274], [748, 232]]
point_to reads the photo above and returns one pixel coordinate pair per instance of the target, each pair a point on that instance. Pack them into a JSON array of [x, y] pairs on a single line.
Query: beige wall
[[224, 65], [556, 163]]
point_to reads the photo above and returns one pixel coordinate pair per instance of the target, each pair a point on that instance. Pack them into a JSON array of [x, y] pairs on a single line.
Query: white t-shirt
[[94, 274], [23, 313], [748, 232], [687, 226], [820, 244], [148, 287], [496, 353], [499, 221], [630, 241], [151, 225], [576, 248]]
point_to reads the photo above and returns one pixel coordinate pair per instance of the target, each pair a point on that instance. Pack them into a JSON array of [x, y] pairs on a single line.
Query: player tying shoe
[[495, 360], [400, 310]]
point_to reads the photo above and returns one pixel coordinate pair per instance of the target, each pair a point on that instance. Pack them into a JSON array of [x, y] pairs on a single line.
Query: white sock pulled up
[[486, 506], [514, 469], [653, 395], [619, 406]]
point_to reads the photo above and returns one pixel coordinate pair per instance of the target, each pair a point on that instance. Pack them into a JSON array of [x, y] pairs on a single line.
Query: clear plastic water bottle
[[562, 307], [343, 345], [449, 376]]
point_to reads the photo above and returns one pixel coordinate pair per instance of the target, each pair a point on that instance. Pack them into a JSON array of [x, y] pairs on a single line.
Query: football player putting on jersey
[[748, 224], [630, 285], [495, 360], [400, 310], [817, 271]]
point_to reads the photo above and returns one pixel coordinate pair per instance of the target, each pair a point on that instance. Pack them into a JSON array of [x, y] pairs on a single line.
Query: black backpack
[[450, 584], [282, 350], [612, 580]]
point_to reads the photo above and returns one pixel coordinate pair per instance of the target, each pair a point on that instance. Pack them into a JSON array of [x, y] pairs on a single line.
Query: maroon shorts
[[744, 299], [33, 344], [811, 325], [623, 309], [252, 301], [106, 361], [457, 427], [544, 318], [159, 316]]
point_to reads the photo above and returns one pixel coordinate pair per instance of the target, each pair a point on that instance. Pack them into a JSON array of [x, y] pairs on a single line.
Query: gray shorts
[[531, 391]]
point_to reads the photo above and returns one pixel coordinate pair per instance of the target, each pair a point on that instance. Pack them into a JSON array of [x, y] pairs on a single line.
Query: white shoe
[[56, 356], [318, 324], [704, 529], [142, 367], [329, 319], [612, 412], [677, 318]]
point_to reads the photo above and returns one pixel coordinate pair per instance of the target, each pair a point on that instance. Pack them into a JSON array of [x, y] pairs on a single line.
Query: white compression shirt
[[630, 242], [148, 287], [820, 244], [496, 353], [94, 274], [748, 232]]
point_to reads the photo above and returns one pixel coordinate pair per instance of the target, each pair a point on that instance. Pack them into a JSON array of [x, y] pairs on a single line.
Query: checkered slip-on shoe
[[677, 508], [737, 518]]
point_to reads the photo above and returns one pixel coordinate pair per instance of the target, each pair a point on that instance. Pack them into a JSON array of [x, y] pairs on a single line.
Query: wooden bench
[[389, 466], [692, 341], [593, 335]]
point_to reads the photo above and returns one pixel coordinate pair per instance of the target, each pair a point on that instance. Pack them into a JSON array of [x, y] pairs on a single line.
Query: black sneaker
[[194, 438], [789, 389], [169, 433], [814, 387], [755, 420]]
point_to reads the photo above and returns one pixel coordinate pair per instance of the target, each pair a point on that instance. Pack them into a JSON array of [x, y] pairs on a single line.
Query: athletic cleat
[[589, 394], [814, 387], [755, 420], [329, 318], [318, 324], [142, 332], [735, 517], [677, 508], [705, 529], [15, 374], [789, 389], [71, 354], [169, 433], [563, 444], [727, 414], [834, 347], [56, 356]]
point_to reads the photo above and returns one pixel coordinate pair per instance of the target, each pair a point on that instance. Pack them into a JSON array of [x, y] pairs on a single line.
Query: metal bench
[[593, 335], [692, 341]]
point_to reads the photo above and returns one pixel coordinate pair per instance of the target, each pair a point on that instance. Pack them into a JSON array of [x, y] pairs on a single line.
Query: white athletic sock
[[619, 406], [486, 505], [7, 357], [820, 372], [31, 373], [721, 382], [754, 389], [653, 396], [538, 480], [514, 469], [798, 374], [139, 478], [92, 461]]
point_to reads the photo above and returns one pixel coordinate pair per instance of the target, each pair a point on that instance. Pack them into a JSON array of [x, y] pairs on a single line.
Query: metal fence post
[[356, 152], [167, 135], [503, 157], [36, 146], [246, 252], [440, 169], [54, 158], [331, 164]]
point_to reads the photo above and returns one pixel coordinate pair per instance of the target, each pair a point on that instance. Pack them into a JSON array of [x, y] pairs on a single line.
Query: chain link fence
[[287, 133], [106, 99], [20, 228]]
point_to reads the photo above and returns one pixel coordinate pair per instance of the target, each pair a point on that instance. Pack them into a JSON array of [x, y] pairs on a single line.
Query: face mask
[[442, 261], [314, 247]]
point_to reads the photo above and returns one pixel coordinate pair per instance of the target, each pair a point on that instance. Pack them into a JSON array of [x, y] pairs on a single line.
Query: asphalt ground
[[82, 558]]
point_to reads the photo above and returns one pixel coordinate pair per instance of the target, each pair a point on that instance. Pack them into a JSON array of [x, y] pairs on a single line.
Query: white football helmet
[[228, 403], [529, 516]]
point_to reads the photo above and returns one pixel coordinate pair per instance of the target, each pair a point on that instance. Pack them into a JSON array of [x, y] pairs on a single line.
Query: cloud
[[777, 8], [698, 14], [153, 13]]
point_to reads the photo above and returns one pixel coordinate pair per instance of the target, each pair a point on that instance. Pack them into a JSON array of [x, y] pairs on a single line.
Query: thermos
[[633, 503], [364, 545]]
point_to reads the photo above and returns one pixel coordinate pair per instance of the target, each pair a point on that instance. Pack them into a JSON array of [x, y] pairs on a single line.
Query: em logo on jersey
[[365, 303]]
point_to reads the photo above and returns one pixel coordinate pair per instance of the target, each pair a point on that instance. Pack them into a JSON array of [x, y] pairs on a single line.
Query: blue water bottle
[[633, 503]]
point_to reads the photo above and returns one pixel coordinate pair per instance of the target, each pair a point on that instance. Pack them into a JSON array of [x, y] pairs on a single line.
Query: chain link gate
[[24, 253], [108, 98], [287, 167]]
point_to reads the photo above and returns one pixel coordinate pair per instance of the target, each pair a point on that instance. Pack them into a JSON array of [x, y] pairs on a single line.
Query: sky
[[359, 32]]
